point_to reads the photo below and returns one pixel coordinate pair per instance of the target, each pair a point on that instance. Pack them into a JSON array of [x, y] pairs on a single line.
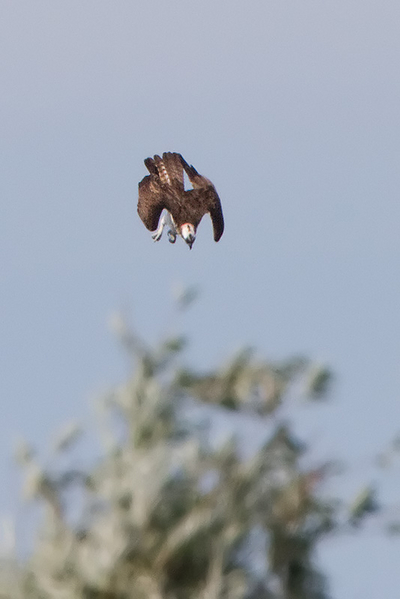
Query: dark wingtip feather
[[190, 170], [150, 165], [218, 235]]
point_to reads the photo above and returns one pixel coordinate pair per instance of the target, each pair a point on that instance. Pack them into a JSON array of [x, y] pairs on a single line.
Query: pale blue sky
[[292, 110]]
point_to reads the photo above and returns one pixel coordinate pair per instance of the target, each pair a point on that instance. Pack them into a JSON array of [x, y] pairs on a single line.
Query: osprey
[[164, 189]]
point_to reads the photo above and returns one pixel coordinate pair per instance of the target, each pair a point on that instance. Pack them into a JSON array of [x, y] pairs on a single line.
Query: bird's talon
[[171, 236], [157, 235]]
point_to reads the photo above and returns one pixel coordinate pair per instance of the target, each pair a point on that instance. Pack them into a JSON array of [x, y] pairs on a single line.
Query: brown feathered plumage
[[164, 189]]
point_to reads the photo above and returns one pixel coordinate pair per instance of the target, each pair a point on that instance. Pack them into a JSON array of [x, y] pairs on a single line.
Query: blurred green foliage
[[166, 513]]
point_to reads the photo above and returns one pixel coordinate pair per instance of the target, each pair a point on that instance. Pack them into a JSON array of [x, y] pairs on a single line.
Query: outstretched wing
[[209, 198], [151, 201]]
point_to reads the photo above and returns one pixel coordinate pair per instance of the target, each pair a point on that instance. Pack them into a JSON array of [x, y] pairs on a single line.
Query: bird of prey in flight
[[163, 191]]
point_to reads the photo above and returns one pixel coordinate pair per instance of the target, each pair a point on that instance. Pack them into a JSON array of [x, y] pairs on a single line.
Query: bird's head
[[188, 233]]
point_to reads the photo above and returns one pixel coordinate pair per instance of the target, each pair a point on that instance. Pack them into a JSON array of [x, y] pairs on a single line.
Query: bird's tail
[[169, 169], [162, 171], [173, 164]]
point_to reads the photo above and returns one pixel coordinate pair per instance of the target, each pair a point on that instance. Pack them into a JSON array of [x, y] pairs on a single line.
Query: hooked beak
[[190, 240]]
